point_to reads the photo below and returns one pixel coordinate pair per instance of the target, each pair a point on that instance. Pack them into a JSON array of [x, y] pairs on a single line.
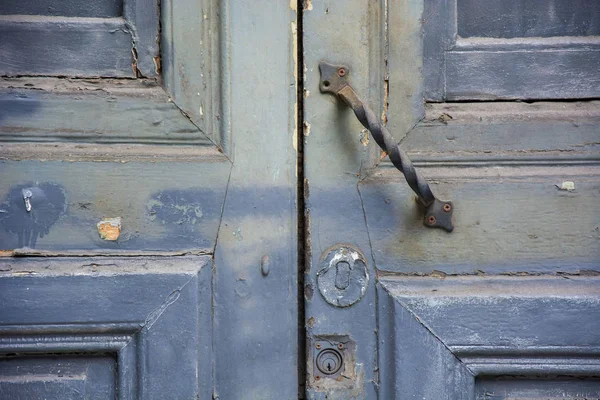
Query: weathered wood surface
[[507, 220], [167, 206], [65, 8], [485, 328], [151, 315], [58, 377], [143, 21], [506, 132], [194, 63], [256, 315], [347, 33], [527, 18], [94, 112], [514, 64], [533, 74], [61, 46]]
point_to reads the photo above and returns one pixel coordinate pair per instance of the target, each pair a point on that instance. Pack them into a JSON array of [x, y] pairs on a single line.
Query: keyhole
[[342, 275], [329, 361]]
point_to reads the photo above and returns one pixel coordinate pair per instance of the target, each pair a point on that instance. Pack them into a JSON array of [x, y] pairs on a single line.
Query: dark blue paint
[[48, 204]]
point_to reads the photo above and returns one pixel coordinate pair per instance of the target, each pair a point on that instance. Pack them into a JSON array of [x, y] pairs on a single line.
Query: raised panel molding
[[176, 99], [458, 330], [156, 320], [493, 68]]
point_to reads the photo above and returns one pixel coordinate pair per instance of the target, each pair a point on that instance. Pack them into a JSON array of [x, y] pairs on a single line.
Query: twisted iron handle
[[438, 213]]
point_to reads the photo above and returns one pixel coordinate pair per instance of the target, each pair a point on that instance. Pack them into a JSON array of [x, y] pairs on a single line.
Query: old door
[[148, 200], [494, 103]]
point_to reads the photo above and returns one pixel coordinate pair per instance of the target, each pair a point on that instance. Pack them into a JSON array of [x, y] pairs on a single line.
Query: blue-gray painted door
[[496, 104], [154, 157], [148, 207]]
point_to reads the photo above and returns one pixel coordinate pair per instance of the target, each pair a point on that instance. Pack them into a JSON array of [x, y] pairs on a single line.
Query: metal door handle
[[438, 213]]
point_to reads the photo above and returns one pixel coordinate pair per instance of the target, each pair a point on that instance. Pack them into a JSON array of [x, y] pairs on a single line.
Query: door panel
[[488, 310], [151, 316], [154, 221], [479, 338], [39, 377], [163, 206], [510, 49], [334, 218]]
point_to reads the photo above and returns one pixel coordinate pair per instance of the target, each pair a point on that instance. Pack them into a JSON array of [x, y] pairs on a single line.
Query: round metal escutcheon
[[343, 277]]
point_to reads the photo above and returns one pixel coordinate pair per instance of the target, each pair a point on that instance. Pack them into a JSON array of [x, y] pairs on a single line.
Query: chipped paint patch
[[293, 5], [179, 208], [364, 137], [567, 186], [238, 235], [306, 128], [308, 5], [109, 228], [295, 57], [306, 93]]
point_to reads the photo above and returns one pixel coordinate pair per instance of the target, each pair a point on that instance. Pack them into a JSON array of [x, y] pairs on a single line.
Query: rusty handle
[[438, 213]]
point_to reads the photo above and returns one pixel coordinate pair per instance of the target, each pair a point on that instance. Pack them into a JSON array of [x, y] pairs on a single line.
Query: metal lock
[[328, 359]]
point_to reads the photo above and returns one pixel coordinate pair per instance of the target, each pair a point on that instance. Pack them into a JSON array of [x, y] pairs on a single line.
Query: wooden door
[[494, 102], [148, 223]]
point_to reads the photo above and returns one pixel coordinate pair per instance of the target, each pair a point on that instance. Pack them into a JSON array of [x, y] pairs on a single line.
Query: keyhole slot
[[329, 361]]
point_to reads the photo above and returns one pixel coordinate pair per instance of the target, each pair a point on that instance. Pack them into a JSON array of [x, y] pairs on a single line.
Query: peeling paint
[[30, 210], [386, 104], [109, 228], [295, 58], [306, 93], [179, 208], [308, 5], [293, 5], [566, 186], [157, 64], [364, 137], [306, 128]]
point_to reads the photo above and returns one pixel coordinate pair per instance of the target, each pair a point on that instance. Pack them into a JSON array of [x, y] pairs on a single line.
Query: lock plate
[[328, 359], [343, 277]]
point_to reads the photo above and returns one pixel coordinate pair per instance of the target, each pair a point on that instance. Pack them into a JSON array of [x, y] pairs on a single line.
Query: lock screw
[[341, 71]]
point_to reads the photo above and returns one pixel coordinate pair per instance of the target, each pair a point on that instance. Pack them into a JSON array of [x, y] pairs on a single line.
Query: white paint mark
[[306, 128], [567, 186]]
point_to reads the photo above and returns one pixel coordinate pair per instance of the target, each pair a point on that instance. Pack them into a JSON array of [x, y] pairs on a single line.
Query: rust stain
[[157, 65], [386, 104], [7, 253], [109, 228]]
